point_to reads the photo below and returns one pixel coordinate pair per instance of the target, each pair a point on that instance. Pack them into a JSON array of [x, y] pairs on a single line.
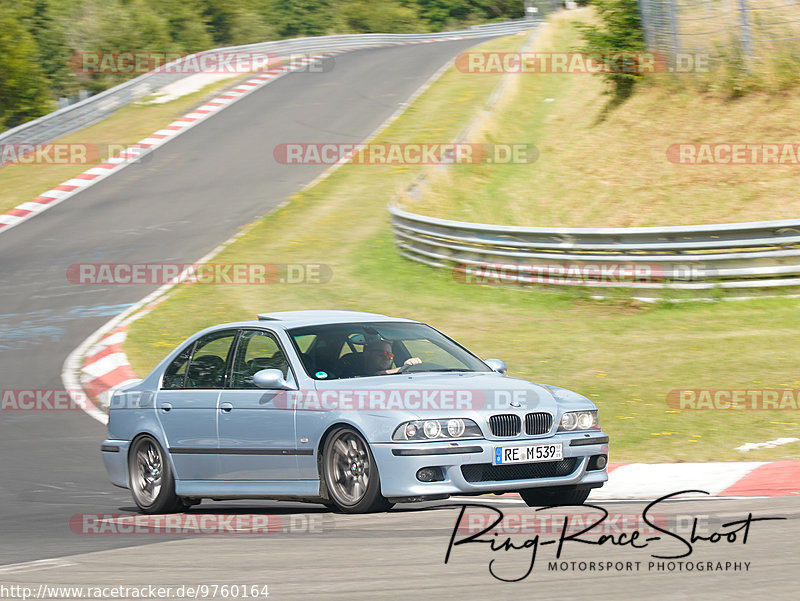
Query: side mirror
[[497, 365], [271, 379]]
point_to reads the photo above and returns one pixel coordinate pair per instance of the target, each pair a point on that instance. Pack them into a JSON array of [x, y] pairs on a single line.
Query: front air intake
[[505, 425], [538, 423]]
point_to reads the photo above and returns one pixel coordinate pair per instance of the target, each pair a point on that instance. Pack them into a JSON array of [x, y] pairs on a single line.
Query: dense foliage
[[38, 37], [620, 31]]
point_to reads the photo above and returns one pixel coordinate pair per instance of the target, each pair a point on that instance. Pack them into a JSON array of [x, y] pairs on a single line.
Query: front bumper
[[398, 464]]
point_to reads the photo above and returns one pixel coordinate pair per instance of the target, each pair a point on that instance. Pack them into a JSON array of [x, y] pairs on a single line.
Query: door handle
[[226, 407], [166, 407]]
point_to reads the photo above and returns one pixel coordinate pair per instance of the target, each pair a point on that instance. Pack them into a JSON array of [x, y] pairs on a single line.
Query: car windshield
[[354, 350]]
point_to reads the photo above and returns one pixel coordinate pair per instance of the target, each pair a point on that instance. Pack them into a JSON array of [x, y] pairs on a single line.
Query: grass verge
[[615, 172], [623, 355]]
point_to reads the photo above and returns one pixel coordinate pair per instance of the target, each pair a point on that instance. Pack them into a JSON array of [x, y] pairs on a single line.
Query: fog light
[[430, 474], [597, 462]]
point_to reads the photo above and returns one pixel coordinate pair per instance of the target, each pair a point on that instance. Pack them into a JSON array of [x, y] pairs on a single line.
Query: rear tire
[[150, 477], [350, 475], [556, 495]]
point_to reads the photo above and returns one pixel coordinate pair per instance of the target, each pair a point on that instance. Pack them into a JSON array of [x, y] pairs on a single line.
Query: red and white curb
[[106, 367], [651, 481], [718, 479], [96, 368], [132, 154]]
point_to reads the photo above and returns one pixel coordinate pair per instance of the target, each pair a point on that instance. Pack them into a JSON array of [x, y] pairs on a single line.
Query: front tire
[[351, 476], [150, 477], [556, 495]]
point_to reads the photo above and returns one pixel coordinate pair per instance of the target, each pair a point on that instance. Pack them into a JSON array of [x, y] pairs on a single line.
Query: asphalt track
[[401, 555], [190, 195], [185, 199]]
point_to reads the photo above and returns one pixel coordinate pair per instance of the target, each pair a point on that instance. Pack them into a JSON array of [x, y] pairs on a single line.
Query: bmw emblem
[[515, 403]]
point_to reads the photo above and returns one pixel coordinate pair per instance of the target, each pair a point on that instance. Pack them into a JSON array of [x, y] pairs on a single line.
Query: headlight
[[569, 421], [455, 427], [578, 420], [437, 429], [585, 421], [431, 428]]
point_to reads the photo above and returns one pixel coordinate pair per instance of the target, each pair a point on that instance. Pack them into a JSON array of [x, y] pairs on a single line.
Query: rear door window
[[209, 364]]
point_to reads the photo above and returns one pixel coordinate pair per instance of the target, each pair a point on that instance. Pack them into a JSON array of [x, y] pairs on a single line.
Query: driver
[[378, 357]]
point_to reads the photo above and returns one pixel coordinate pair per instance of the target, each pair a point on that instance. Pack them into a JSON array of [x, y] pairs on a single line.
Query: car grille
[[538, 423], [505, 425], [486, 472]]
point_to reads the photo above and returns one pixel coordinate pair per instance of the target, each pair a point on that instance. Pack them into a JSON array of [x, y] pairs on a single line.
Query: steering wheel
[[424, 366]]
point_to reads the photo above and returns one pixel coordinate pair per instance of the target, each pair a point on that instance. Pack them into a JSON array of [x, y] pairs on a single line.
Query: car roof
[[295, 319]]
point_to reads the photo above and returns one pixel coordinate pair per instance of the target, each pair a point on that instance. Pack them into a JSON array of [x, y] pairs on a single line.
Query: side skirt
[[248, 489]]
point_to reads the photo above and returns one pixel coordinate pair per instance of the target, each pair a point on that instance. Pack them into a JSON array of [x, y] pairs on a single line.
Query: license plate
[[528, 454]]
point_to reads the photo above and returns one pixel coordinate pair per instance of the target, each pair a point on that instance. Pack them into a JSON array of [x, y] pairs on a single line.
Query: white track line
[[32, 566]]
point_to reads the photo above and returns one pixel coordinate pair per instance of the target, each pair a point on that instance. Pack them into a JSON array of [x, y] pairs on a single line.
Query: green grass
[[612, 170], [21, 182], [624, 355]]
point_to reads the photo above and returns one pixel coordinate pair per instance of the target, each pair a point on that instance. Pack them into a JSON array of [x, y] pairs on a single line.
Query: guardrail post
[[744, 26]]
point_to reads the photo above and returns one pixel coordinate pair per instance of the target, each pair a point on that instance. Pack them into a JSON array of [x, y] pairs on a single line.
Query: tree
[[185, 23], [48, 24], [23, 85], [444, 14], [377, 16], [620, 32], [299, 18]]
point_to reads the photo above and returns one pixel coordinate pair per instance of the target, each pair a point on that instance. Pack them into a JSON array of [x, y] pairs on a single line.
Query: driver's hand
[[412, 361]]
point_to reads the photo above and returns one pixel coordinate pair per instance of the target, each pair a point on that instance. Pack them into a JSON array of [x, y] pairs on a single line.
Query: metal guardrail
[[764, 254], [95, 108]]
